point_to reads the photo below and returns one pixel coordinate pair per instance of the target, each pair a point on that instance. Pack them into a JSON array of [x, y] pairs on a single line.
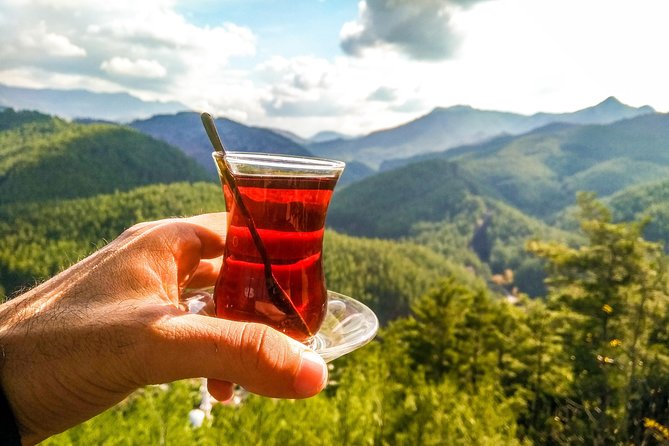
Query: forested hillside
[[387, 276], [43, 158], [541, 171], [475, 346], [587, 364], [442, 206]]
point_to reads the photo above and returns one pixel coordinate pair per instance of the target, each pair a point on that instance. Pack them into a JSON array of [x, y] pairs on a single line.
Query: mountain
[[388, 204], [44, 158], [290, 135], [184, 130], [441, 205], [606, 112], [539, 172], [444, 128], [327, 135], [354, 171], [72, 104]]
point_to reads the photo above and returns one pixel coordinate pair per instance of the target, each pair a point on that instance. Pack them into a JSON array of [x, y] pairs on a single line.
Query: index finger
[[216, 222]]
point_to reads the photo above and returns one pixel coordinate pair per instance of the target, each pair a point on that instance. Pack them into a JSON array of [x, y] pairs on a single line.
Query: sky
[[347, 66]]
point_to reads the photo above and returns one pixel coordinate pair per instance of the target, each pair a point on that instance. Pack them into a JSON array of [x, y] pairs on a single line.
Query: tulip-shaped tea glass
[[272, 269]]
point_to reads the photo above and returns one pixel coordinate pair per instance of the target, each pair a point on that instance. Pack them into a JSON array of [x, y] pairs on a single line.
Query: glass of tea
[[272, 269]]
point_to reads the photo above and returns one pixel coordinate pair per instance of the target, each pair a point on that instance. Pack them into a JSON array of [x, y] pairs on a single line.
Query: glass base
[[348, 324]]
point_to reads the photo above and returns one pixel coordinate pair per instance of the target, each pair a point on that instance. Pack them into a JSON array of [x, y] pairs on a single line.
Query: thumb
[[255, 356]]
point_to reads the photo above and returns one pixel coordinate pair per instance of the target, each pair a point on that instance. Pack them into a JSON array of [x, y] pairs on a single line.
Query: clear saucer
[[348, 324]]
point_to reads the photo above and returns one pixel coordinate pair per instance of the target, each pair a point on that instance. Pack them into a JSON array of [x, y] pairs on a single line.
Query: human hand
[[84, 340]]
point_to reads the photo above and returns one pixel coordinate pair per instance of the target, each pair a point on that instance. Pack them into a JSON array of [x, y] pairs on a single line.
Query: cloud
[[421, 29], [38, 39], [134, 68], [383, 94], [143, 47], [51, 43], [300, 86]]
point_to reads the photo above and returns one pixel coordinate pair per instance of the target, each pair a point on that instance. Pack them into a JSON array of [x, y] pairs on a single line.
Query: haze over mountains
[[444, 128], [73, 104], [439, 130]]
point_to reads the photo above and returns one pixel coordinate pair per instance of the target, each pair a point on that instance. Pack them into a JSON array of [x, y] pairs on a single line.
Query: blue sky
[[348, 66], [291, 28]]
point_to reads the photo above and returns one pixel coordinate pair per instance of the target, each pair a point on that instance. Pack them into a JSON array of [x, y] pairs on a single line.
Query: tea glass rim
[[280, 164]]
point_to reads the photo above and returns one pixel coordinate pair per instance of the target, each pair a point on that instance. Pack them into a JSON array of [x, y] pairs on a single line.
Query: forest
[[498, 326]]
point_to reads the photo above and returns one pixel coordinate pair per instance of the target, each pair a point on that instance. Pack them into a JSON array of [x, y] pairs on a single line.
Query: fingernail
[[312, 375]]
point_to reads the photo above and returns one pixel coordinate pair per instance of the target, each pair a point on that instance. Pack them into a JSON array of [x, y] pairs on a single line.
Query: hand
[[82, 341]]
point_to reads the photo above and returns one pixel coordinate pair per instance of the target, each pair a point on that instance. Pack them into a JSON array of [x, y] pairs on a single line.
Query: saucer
[[348, 324]]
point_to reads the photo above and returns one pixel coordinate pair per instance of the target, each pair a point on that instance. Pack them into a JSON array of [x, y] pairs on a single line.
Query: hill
[[44, 158], [649, 201], [444, 128], [440, 205], [539, 172], [388, 204], [184, 130], [71, 104]]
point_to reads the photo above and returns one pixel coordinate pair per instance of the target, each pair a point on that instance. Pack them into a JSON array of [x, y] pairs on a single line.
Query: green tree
[[612, 292]]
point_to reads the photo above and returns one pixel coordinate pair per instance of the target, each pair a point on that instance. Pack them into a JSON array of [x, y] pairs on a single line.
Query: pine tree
[[611, 291]]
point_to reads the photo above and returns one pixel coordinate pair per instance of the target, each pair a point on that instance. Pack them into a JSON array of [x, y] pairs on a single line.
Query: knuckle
[[261, 349]]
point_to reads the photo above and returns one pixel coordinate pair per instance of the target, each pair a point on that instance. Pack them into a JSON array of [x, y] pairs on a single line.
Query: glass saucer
[[348, 324]]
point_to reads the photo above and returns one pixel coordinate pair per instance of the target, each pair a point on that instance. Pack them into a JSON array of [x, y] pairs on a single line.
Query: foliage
[[52, 235], [39, 239], [648, 201], [388, 204], [612, 295], [387, 276], [540, 171], [47, 158], [455, 363]]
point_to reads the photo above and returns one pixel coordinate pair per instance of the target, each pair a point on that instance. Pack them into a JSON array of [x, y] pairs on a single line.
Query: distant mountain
[[184, 130], [72, 104], [44, 158], [606, 112], [290, 135], [444, 128], [539, 172], [353, 172], [328, 135]]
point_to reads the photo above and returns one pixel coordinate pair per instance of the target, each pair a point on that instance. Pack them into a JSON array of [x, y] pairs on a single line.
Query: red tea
[[289, 215]]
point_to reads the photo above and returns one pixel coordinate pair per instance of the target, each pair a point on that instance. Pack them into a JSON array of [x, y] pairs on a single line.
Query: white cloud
[[134, 68], [38, 38], [143, 47]]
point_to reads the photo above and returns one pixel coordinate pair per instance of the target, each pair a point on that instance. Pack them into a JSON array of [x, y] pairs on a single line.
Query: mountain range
[[440, 130], [73, 104], [444, 128], [475, 204], [540, 171], [184, 130]]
